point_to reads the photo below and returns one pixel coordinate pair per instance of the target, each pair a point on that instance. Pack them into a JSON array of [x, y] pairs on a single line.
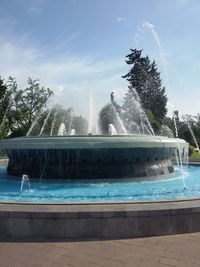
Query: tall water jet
[[149, 26], [70, 122], [92, 120]]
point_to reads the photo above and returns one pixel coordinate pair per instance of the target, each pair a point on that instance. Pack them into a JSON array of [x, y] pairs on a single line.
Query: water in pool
[[100, 191]]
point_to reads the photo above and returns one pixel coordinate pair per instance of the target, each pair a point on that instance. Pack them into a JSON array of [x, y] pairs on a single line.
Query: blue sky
[[79, 46]]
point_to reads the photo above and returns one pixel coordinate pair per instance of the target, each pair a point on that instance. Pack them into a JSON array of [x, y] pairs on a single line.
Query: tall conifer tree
[[145, 79]]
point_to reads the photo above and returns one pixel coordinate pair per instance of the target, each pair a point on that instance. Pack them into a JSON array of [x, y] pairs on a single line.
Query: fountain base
[[91, 157]]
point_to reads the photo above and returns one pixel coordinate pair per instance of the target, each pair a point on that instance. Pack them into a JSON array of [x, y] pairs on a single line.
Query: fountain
[[117, 155], [94, 168], [129, 163]]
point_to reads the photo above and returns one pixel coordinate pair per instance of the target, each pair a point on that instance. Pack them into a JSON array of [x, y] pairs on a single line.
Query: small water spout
[[72, 132], [25, 182], [62, 129]]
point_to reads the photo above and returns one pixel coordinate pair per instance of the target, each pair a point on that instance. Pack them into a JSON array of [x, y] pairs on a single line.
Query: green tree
[[145, 79], [28, 104], [8, 92]]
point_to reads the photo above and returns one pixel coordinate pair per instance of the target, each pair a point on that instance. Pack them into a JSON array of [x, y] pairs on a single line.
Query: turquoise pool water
[[95, 191]]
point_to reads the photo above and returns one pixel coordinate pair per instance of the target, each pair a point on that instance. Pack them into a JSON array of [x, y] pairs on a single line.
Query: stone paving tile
[[163, 251], [181, 263], [168, 261]]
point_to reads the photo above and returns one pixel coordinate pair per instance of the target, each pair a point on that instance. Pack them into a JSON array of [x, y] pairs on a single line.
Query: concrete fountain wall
[[101, 220]]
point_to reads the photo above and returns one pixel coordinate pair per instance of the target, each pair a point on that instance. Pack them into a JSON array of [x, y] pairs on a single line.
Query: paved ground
[[176, 250]]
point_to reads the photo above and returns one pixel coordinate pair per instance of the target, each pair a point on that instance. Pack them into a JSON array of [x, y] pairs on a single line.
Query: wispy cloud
[[121, 19], [74, 75], [63, 42]]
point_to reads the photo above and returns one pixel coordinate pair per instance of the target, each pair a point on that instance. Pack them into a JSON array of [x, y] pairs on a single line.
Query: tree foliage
[[145, 79], [20, 107]]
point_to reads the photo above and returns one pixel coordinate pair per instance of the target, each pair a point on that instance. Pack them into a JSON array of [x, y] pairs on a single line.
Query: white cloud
[[121, 19], [70, 76]]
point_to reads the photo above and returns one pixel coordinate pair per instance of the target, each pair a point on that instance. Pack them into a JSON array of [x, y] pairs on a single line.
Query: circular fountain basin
[[91, 157]]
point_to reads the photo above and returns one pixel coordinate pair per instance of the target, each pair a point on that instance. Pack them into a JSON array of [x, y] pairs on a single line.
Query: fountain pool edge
[[111, 220]]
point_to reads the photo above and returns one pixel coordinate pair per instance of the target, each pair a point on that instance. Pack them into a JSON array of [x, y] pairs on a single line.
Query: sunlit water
[[62, 191]]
